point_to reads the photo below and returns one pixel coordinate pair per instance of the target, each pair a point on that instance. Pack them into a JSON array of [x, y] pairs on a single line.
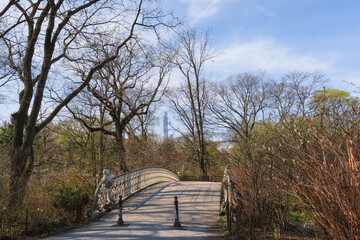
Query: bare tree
[[319, 147], [141, 125], [191, 99], [240, 103], [126, 88], [239, 106], [43, 36]]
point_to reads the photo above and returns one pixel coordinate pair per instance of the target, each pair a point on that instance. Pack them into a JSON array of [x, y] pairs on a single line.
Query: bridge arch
[[110, 189]]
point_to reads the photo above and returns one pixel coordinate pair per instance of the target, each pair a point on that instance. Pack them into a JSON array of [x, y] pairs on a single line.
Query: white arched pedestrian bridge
[[148, 210]]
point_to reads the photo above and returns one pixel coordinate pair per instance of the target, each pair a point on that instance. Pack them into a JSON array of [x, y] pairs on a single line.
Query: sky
[[278, 36]]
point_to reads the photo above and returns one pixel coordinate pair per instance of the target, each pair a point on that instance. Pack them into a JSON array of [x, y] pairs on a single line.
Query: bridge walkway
[[150, 215]]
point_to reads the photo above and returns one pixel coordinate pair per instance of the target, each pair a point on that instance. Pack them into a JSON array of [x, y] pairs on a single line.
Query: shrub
[[70, 198]]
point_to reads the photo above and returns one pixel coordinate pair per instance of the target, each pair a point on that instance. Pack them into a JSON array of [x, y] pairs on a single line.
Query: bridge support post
[[229, 204], [120, 221], [176, 221]]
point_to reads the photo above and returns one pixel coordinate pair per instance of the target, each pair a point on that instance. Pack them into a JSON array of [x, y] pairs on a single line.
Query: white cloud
[[264, 10], [346, 80], [200, 9], [266, 54], [277, 59]]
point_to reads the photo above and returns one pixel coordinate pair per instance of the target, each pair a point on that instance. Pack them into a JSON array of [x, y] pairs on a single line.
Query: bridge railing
[[228, 198], [215, 178], [110, 189]]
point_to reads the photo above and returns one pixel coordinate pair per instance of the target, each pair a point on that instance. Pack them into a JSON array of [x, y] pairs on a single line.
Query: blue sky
[[278, 36]]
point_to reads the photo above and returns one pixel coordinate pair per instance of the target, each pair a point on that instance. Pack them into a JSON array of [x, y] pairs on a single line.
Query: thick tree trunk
[[101, 152], [201, 148], [201, 160], [101, 143], [17, 188], [22, 162], [121, 153], [203, 164]]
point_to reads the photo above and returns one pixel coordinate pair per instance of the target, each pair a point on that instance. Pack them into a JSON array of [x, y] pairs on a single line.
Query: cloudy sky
[[278, 36]]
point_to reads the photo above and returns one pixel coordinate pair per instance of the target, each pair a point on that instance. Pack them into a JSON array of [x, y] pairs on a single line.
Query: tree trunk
[[203, 164], [121, 154], [94, 159], [22, 162], [101, 152], [201, 149], [101, 143]]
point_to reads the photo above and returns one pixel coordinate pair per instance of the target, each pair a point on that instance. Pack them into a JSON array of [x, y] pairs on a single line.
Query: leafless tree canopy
[[125, 89], [44, 41], [191, 99], [241, 102], [294, 144]]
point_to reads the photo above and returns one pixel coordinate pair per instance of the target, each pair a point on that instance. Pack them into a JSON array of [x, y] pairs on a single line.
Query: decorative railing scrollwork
[[110, 189], [228, 198]]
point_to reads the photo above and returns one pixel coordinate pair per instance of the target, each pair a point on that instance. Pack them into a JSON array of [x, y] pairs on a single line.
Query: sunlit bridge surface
[[150, 215]]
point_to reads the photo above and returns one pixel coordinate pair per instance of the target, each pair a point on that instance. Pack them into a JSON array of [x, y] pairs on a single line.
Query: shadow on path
[[150, 215]]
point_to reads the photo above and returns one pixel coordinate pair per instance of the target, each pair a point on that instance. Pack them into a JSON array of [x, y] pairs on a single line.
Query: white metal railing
[[110, 189], [228, 197]]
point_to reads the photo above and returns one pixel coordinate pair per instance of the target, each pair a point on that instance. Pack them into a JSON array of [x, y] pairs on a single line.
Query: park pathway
[[150, 215]]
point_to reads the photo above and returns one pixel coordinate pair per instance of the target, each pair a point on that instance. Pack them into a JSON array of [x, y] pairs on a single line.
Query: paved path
[[150, 215]]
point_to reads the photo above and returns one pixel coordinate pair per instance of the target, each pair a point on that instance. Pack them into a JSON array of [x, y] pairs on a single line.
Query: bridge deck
[[150, 215]]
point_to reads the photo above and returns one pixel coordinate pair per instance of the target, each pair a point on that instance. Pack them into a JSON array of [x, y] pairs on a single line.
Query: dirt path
[[150, 215]]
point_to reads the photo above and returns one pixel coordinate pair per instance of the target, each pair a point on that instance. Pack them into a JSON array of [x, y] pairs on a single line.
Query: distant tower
[[166, 123]]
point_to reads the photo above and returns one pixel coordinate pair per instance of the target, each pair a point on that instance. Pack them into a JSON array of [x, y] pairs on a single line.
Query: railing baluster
[[227, 196], [127, 184]]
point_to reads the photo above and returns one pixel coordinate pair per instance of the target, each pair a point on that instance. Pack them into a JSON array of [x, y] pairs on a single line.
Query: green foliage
[[212, 150], [71, 198], [329, 94], [216, 159], [5, 133], [223, 225], [9, 217], [334, 102], [276, 232]]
